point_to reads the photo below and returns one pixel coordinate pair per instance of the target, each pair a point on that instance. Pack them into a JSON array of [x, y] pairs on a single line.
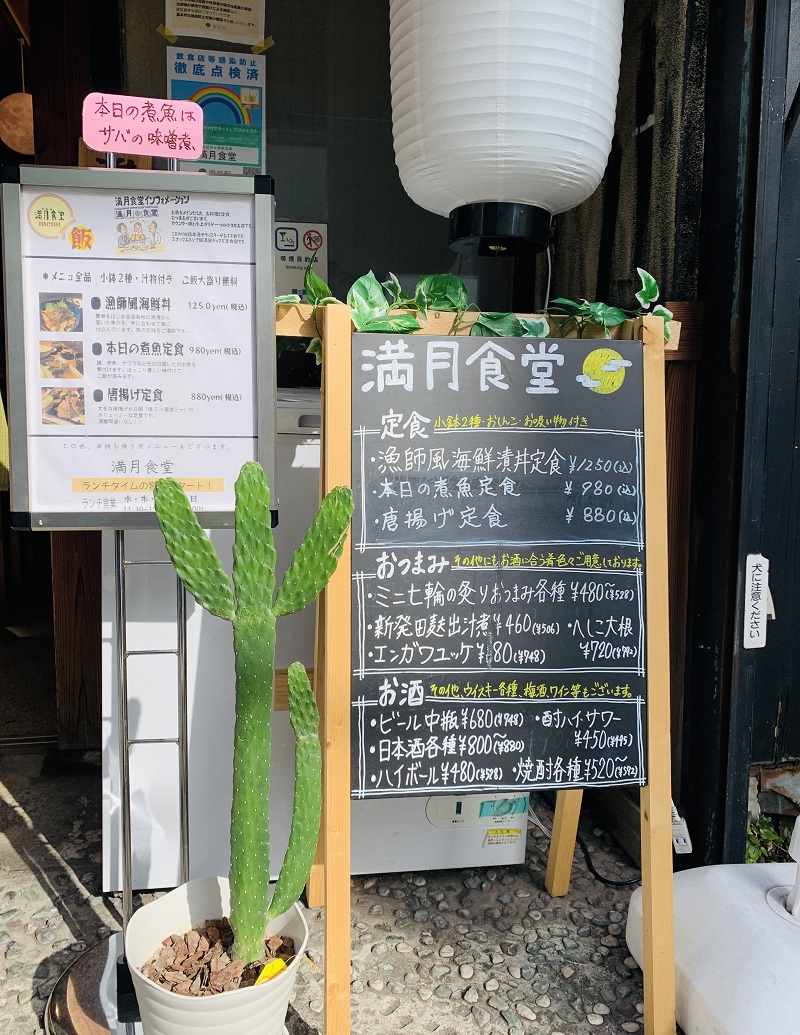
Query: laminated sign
[[133, 342], [230, 89], [498, 594]]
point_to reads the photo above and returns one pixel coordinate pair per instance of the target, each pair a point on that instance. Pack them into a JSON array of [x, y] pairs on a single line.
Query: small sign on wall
[[295, 244], [230, 88], [242, 22], [756, 601]]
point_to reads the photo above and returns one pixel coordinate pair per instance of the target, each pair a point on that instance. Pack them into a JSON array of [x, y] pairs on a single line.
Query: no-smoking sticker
[[312, 239]]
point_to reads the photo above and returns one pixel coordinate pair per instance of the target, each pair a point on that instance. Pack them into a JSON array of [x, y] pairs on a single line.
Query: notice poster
[[498, 565], [230, 90], [242, 22], [295, 246], [139, 346]]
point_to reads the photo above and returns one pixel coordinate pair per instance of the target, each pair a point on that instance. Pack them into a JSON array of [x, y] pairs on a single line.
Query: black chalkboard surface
[[498, 632]]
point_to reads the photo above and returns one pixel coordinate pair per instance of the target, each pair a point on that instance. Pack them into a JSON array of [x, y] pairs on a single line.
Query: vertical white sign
[[756, 601]]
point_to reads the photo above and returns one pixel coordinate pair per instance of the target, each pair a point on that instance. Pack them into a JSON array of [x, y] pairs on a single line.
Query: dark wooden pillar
[[74, 50]]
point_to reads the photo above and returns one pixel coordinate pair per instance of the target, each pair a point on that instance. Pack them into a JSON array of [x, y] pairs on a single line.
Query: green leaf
[[392, 324], [314, 286], [606, 315], [502, 325], [444, 293], [314, 560], [367, 300], [191, 551], [753, 854], [649, 289], [661, 310], [315, 349], [420, 298], [287, 299], [569, 304], [397, 297], [538, 328]]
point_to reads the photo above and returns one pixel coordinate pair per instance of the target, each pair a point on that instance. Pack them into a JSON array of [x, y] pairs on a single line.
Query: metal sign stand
[[57, 1020], [127, 1006], [98, 984]]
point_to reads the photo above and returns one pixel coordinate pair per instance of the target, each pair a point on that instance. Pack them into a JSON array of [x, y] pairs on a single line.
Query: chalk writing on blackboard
[[498, 564]]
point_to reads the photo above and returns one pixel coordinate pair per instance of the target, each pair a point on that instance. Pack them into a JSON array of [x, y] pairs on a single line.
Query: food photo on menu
[[60, 314], [63, 406], [59, 359]]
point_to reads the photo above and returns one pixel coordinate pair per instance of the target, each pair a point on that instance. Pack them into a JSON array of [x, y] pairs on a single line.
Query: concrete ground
[[448, 952]]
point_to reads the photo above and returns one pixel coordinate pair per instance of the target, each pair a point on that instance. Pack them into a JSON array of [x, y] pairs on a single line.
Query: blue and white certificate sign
[[230, 89]]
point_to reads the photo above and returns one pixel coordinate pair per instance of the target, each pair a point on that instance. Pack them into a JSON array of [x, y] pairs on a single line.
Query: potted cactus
[[252, 606]]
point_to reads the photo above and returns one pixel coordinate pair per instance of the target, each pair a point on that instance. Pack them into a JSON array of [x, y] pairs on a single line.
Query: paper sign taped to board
[[242, 22], [756, 601], [143, 125]]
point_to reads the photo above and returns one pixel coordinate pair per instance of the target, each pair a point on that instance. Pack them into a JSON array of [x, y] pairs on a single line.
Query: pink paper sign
[[143, 125]]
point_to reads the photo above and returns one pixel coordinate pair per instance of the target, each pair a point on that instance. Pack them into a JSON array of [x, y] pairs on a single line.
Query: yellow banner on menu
[[106, 485]]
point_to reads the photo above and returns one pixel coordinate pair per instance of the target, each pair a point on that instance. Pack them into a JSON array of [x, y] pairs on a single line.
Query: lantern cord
[[22, 61], [549, 278]]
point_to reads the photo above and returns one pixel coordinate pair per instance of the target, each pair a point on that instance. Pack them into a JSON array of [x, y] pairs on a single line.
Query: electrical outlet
[[681, 841]]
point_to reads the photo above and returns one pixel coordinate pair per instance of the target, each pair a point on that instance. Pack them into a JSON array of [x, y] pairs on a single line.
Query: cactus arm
[[190, 550], [254, 647], [304, 717], [253, 546], [316, 557]]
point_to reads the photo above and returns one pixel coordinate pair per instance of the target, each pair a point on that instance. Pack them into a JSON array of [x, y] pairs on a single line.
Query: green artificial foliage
[[253, 608], [444, 292]]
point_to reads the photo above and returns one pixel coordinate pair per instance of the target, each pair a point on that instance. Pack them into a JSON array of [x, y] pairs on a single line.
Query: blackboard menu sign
[[498, 633]]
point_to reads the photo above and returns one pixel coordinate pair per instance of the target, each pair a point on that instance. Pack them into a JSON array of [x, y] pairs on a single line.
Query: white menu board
[[139, 326]]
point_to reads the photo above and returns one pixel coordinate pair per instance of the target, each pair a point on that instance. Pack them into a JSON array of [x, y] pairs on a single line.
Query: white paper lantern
[[503, 110]]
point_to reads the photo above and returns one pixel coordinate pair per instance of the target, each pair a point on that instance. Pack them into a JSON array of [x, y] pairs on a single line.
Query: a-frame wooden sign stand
[[656, 830], [330, 880]]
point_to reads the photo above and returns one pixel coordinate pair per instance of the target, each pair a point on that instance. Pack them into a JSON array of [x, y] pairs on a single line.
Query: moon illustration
[[603, 371]]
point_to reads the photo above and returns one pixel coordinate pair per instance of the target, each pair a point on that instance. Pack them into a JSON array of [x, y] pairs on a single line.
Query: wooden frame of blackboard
[[330, 879], [656, 816]]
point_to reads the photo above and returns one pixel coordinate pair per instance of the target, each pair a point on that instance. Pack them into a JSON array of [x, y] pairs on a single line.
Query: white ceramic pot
[[257, 1010]]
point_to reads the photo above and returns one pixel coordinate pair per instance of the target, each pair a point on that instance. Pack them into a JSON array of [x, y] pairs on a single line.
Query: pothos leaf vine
[[387, 307]]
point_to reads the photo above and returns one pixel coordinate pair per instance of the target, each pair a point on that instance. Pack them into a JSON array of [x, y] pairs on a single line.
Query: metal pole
[[122, 727], [183, 730], [183, 789], [183, 708]]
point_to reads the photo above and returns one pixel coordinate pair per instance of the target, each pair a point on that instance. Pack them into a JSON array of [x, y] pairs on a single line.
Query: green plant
[[569, 316], [319, 294], [253, 607], [765, 842], [385, 306]]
